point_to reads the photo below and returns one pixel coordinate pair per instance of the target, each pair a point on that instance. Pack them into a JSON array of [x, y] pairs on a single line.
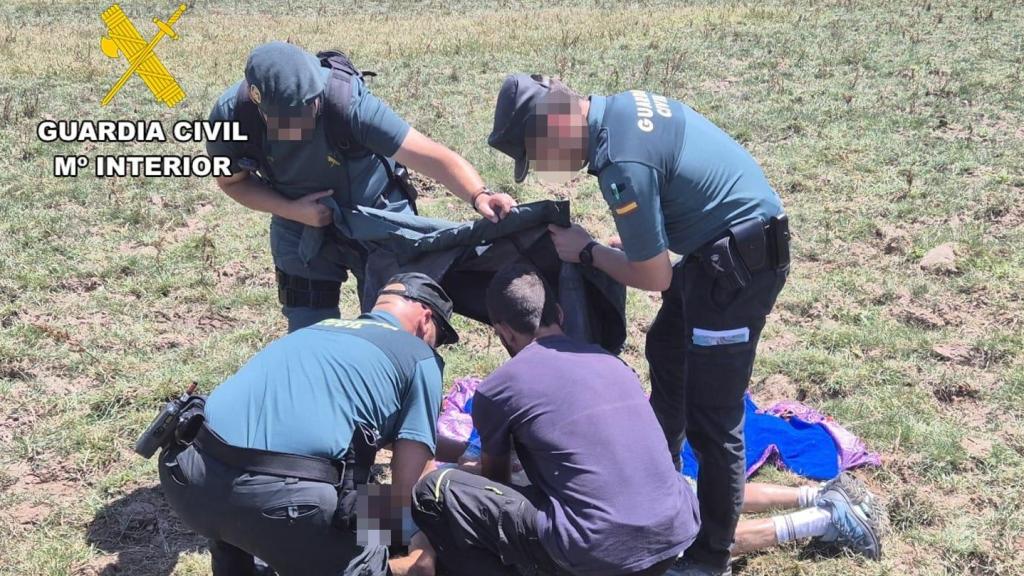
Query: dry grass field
[[889, 128]]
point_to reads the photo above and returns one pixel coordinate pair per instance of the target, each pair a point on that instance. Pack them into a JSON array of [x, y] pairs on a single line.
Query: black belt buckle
[[751, 243]]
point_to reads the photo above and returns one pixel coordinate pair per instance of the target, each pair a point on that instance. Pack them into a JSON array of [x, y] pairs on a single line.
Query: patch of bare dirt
[[235, 273], [955, 384], [176, 321], [931, 313], [17, 418], [777, 388], [784, 341], [893, 240], [80, 285], [1011, 219], [170, 341], [136, 249], [192, 227], [28, 514], [718, 85], [42, 490], [956, 352], [101, 565], [139, 535], [977, 447]]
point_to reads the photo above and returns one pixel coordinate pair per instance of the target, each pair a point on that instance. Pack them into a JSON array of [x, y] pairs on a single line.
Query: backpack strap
[[338, 109], [251, 123], [338, 103]]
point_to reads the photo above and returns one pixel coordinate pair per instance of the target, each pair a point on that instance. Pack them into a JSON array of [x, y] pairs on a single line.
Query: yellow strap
[[437, 485]]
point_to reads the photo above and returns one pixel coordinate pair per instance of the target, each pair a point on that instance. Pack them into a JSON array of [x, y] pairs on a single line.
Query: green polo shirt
[[301, 168], [672, 179], [306, 392]]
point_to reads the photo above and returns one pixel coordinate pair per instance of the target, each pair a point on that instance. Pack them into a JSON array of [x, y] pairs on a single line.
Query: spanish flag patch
[[621, 198], [627, 208]]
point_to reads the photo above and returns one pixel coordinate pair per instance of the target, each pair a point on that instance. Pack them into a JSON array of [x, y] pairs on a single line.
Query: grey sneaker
[[855, 525], [853, 488]]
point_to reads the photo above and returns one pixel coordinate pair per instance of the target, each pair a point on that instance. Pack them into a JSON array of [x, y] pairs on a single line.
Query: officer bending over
[[315, 130], [673, 181], [603, 500], [288, 439]]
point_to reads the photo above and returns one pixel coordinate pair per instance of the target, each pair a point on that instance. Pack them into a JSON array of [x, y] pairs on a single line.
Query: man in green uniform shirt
[[674, 182], [288, 441], [296, 165]]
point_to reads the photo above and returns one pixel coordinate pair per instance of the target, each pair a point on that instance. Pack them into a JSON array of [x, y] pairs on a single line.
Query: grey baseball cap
[[517, 101], [284, 79]]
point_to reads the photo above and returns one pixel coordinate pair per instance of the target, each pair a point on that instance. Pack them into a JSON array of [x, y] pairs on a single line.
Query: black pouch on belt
[[779, 240], [721, 261], [751, 243]]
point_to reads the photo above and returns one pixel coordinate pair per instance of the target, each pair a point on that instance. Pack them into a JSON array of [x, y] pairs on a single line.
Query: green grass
[[888, 128]]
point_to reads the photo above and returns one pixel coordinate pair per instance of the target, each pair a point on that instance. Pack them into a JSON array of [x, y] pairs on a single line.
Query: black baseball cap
[[517, 101], [422, 288]]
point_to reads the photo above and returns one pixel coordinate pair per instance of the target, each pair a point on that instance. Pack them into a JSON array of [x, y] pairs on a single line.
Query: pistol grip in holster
[[721, 261]]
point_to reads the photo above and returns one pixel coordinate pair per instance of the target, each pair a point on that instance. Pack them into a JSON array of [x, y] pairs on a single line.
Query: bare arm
[[256, 195], [436, 161], [497, 468], [411, 461], [653, 274]]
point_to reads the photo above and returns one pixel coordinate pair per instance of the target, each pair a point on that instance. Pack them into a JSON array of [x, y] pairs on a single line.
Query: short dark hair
[[521, 299]]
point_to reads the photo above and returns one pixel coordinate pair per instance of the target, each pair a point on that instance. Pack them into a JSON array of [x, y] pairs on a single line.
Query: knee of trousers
[[426, 500]]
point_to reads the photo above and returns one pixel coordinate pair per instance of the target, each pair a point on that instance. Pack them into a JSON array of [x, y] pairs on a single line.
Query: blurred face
[[291, 125], [557, 140]]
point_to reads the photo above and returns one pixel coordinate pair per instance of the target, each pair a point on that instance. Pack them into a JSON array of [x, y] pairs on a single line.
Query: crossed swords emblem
[[123, 38]]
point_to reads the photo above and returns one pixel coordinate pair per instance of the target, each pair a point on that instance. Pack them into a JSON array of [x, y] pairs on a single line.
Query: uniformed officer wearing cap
[[253, 480], [301, 167], [674, 182]]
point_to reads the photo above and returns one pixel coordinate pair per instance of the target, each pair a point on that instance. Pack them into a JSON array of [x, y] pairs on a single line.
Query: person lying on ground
[[841, 512]]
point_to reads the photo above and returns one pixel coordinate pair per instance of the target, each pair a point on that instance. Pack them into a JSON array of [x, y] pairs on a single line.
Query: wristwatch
[[587, 254]]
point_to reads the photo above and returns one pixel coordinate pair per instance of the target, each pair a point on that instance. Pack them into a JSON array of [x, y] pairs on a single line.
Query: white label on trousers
[[703, 337]]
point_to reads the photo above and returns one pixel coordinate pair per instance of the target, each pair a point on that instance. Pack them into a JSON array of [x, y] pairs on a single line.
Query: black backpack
[[337, 110]]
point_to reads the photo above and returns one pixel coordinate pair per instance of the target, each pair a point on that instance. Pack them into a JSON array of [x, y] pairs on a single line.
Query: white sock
[[808, 494], [806, 523]]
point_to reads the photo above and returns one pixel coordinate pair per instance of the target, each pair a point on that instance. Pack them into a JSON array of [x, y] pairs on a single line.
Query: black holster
[[763, 245], [295, 291], [747, 248]]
